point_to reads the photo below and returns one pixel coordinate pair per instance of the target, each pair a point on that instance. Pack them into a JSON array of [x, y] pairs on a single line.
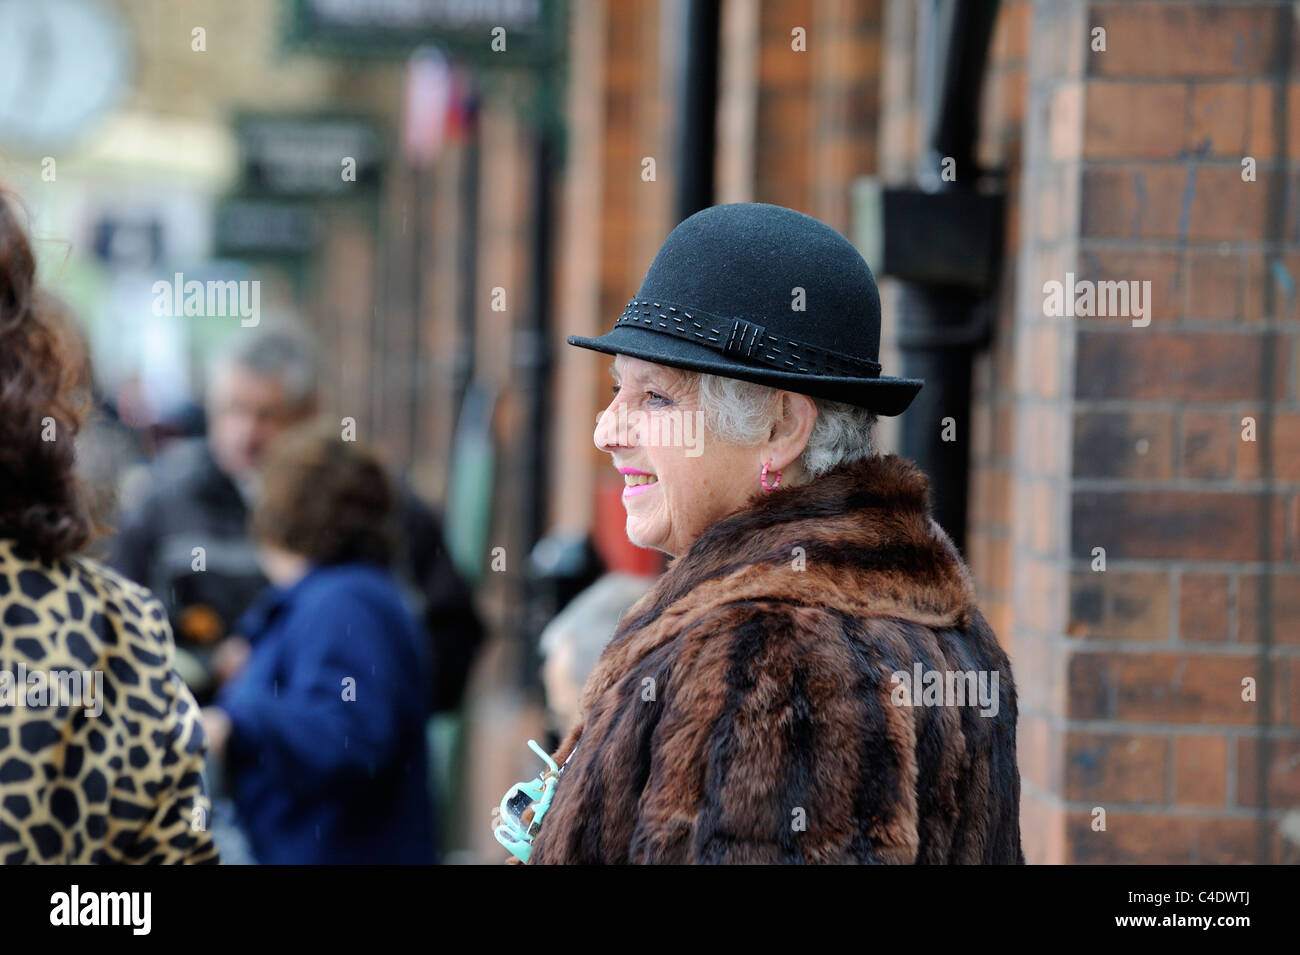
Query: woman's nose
[[608, 436]]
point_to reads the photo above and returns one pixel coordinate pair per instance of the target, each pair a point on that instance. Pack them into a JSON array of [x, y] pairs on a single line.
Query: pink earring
[[762, 478]]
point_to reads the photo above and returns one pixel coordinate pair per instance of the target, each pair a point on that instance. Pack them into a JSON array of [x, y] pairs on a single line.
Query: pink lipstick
[[634, 486]]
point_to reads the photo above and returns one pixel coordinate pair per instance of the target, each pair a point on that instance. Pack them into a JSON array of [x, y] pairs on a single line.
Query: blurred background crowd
[[268, 214]]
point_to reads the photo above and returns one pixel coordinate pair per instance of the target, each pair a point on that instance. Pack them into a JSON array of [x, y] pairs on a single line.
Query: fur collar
[[859, 539]]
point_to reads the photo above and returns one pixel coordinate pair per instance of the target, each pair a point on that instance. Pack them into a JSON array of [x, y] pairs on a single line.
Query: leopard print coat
[[108, 769], [748, 710]]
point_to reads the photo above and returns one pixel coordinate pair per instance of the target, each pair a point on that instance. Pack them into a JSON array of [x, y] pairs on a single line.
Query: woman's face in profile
[[679, 479]]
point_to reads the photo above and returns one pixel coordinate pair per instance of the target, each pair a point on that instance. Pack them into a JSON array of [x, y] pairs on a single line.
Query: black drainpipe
[[697, 107], [942, 240]]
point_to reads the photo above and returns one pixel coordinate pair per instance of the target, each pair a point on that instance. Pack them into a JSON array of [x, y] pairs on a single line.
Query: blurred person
[[574, 640], [101, 748], [186, 535], [109, 458], [770, 700], [322, 733], [200, 493]]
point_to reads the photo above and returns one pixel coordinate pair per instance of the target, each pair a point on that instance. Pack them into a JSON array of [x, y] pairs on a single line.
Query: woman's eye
[[654, 397]]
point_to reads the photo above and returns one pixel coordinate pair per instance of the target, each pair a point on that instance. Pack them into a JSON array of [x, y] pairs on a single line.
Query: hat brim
[[884, 396]]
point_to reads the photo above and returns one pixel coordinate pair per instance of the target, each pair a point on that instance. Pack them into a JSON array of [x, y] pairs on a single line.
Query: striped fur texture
[[743, 714]]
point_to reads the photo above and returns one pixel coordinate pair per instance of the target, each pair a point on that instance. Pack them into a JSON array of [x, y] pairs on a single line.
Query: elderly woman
[[810, 681]]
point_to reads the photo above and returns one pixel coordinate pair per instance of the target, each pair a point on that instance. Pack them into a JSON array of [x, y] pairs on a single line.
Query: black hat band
[[741, 339]]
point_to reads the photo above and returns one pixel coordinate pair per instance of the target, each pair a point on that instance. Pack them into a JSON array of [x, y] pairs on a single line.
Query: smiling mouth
[[638, 484]]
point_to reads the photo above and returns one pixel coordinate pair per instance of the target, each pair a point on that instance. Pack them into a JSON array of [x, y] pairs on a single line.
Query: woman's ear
[[796, 415]]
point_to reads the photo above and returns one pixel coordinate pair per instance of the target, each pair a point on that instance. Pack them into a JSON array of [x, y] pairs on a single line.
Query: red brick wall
[[815, 111], [1139, 177], [1126, 164], [1201, 515]]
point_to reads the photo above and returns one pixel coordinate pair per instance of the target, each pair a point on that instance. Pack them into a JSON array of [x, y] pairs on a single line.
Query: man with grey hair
[[185, 536], [257, 389]]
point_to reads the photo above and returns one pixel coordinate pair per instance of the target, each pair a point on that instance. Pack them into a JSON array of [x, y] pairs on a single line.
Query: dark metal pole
[[421, 253], [938, 330], [463, 371], [941, 326], [537, 340], [697, 107]]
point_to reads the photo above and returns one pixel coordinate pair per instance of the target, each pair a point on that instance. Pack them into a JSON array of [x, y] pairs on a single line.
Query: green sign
[[258, 227], [486, 33], [308, 156]]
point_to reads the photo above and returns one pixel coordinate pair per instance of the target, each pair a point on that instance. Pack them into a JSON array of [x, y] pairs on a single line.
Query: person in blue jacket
[[323, 729]]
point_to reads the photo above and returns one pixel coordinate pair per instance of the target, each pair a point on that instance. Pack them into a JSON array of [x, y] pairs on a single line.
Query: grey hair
[[588, 621], [742, 412], [275, 353]]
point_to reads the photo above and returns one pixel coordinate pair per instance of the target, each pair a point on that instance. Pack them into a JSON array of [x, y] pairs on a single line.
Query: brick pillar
[[579, 373], [989, 539], [1129, 438], [1042, 404]]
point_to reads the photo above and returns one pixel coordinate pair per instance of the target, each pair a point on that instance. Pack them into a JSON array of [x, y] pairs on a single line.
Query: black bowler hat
[[722, 297]]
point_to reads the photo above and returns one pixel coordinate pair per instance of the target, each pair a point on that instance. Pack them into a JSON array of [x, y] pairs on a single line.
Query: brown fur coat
[[745, 711]]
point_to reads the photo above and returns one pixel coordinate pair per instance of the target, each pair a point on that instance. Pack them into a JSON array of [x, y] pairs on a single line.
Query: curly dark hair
[[326, 499], [44, 396]]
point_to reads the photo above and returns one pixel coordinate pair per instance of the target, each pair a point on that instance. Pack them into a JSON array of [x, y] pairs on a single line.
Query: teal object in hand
[[513, 833]]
